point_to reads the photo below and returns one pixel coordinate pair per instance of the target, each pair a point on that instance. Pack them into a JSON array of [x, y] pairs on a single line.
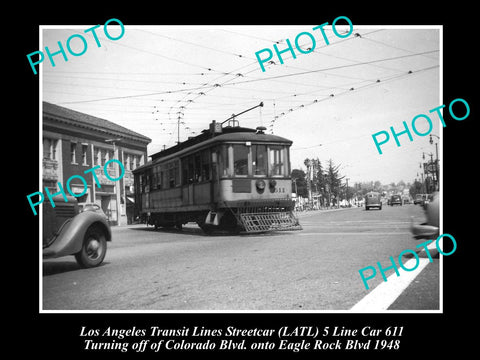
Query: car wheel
[[94, 248]]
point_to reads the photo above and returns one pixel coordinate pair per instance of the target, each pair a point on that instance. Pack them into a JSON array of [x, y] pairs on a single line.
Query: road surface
[[314, 269]]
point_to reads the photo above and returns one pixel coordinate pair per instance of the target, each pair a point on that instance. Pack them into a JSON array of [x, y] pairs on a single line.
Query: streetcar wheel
[[206, 228], [229, 223]]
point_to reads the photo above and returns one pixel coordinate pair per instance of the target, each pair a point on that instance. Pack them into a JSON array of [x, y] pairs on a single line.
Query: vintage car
[[395, 200], [373, 199], [430, 228], [68, 231]]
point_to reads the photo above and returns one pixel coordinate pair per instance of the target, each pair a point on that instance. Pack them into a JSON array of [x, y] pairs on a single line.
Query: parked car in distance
[[395, 200], [373, 199], [420, 199]]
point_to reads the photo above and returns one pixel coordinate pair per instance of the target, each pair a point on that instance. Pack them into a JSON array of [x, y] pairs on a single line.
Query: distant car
[[420, 199], [91, 207], [395, 200], [373, 199], [430, 228]]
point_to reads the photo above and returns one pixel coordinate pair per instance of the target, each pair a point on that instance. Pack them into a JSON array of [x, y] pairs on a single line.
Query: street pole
[[119, 207], [346, 191], [308, 164], [437, 185]]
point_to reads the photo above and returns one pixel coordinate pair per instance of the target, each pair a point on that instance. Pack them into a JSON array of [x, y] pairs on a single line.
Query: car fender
[[430, 228], [69, 240]]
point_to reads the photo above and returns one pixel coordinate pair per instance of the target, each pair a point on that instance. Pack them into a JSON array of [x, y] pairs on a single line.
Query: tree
[[415, 188], [299, 183], [333, 181], [319, 177]]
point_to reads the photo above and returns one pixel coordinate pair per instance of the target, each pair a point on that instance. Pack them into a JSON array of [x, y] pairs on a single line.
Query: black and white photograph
[[245, 184], [246, 187]]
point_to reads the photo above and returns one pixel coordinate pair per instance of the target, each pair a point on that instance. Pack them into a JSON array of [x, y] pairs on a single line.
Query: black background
[[57, 335]]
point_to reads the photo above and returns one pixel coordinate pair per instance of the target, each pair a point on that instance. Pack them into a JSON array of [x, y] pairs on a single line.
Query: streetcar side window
[[277, 161], [184, 171], [205, 167], [177, 173], [190, 170], [198, 165], [240, 160], [173, 174], [157, 177]]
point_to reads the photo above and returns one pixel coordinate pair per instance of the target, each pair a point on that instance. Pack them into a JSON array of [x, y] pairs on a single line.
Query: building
[[74, 142]]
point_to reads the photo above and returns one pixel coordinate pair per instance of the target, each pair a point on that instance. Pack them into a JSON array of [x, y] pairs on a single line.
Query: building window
[[132, 162], [127, 162], [84, 154], [110, 157], [104, 157], [97, 155], [73, 153], [49, 149]]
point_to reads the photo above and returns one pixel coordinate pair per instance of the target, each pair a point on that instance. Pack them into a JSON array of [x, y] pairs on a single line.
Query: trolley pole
[[243, 112]]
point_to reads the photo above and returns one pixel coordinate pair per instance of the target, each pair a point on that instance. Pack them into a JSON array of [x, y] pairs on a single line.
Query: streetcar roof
[[198, 142]]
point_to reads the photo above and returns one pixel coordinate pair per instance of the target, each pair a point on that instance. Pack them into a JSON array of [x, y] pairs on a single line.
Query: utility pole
[[346, 193], [178, 130], [120, 208]]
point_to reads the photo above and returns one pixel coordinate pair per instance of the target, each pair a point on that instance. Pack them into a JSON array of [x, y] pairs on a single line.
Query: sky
[[328, 101]]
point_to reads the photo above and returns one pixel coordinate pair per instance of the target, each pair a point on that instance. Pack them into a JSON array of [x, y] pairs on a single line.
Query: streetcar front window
[[259, 159], [240, 160]]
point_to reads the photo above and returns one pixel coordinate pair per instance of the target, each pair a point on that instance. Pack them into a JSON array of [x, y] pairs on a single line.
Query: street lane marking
[[387, 292], [354, 233]]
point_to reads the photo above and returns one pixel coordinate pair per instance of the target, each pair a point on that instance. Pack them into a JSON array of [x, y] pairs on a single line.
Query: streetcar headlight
[[273, 183], [260, 184]]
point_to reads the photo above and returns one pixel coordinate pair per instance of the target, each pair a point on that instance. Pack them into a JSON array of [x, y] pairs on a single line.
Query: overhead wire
[[193, 93]]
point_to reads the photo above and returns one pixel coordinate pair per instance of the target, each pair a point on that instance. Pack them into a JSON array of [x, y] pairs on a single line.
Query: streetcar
[[228, 178]]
